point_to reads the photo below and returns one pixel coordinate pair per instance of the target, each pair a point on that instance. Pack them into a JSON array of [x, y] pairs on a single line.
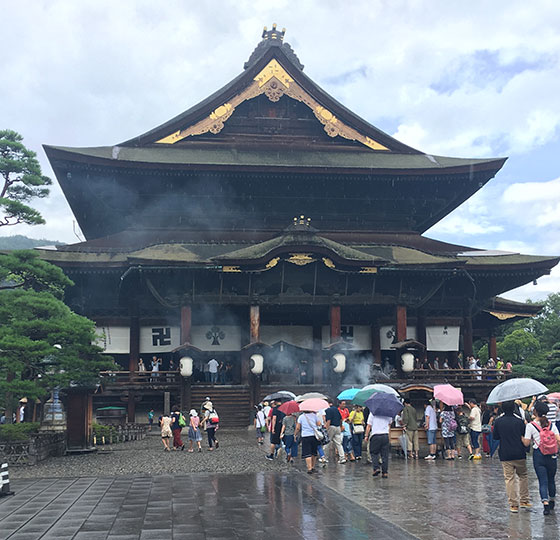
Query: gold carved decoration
[[274, 82], [272, 263], [368, 270], [504, 316], [301, 259], [328, 263], [235, 269]]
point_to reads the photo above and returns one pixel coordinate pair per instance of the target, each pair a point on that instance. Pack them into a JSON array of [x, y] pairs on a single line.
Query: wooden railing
[[143, 378], [459, 375]]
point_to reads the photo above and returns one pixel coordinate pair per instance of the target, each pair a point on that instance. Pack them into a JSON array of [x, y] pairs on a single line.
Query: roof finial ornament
[[273, 34]]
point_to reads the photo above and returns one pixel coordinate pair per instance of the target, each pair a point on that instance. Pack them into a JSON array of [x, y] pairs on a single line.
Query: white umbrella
[[288, 393], [310, 395], [513, 389], [378, 387]]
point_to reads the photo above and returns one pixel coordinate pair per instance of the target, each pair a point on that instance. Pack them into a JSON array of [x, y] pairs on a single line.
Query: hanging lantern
[[257, 363], [339, 363], [186, 364], [407, 362]]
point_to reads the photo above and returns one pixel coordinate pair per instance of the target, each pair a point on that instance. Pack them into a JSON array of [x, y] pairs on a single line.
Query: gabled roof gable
[[275, 72]]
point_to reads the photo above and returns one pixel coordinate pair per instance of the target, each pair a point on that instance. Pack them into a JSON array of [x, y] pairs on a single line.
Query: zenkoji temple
[[271, 220]]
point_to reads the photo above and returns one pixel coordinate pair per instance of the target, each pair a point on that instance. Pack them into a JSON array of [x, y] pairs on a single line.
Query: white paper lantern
[[257, 363], [407, 362], [339, 363], [186, 364]]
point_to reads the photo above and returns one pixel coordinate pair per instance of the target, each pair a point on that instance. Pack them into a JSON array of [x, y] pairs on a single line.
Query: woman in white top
[[544, 462], [306, 424], [260, 424]]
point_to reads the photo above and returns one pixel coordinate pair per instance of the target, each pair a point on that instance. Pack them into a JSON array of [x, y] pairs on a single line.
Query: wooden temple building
[[271, 220]]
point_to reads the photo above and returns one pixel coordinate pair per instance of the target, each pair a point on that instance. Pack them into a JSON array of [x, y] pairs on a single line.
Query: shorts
[[449, 443], [431, 434], [474, 439], [309, 446], [275, 438], [463, 440]]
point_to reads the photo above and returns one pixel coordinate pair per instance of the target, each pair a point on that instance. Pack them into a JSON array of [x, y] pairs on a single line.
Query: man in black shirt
[[508, 429], [333, 423]]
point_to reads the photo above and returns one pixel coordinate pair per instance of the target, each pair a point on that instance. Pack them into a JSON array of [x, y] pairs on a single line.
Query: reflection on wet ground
[[441, 500], [202, 506], [444, 500]]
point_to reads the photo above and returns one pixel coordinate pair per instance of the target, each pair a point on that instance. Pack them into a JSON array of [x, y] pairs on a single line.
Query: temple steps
[[232, 403]]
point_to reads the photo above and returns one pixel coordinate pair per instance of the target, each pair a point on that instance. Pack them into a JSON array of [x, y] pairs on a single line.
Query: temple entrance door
[[288, 365]]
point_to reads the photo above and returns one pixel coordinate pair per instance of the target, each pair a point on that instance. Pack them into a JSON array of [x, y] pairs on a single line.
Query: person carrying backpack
[[545, 439]]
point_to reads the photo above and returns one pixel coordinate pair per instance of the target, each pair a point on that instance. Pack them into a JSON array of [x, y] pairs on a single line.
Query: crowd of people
[[477, 428], [470, 362]]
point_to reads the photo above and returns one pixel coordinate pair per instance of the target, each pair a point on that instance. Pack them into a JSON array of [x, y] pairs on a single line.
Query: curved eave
[[227, 92], [199, 159]]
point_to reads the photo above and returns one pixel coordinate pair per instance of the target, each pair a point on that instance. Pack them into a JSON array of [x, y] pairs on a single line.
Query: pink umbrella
[[555, 396], [313, 405], [290, 407], [448, 394]]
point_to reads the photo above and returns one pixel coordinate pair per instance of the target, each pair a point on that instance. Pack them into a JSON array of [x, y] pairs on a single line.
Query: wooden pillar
[[467, 337], [421, 333], [186, 324], [401, 323], [134, 345], [133, 358], [376, 343], [254, 324], [335, 323], [492, 346], [317, 368]]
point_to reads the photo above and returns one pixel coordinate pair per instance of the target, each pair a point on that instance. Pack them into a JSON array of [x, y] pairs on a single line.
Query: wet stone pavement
[[139, 492]]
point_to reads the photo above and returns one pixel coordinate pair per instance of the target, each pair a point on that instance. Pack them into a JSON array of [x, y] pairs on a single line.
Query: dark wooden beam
[[401, 323]]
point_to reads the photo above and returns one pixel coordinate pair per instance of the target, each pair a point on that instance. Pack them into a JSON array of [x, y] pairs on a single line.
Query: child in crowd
[[194, 431], [347, 441]]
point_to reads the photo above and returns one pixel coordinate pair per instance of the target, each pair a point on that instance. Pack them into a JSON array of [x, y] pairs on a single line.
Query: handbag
[[263, 429], [320, 433], [486, 428], [358, 428], [325, 439]]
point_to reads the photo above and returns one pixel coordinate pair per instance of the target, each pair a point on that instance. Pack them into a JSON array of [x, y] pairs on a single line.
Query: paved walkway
[[138, 491]]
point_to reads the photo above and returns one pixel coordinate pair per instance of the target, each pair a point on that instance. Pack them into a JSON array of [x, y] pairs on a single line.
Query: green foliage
[[21, 181], [24, 269], [18, 432], [518, 345], [43, 343]]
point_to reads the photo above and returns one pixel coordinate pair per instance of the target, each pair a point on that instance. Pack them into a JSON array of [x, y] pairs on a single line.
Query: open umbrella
[[290, 407], [448, 394], [310, 395], [378, 387], [555, 396], [277, 396], [349, 394], [313, 405], [363, 395], [291, 395], [382, 404], [513, 389]]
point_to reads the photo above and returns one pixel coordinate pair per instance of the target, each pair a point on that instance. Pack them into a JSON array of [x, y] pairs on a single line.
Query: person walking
[[508, 431], [463, 437], [213, 370], [378, 427], [356, 420], [409, 423], [430, 425], [475, 423], [211, 422], [260, 424], [165, 422], [306, 425], [545, 439], [176, 427], [151, 418], [194, 434], [333, 423], [275, 427], [287, 436], [448, 427]]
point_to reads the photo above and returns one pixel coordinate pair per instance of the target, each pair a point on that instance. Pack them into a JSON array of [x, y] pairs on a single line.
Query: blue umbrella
[[381, 404], [348, 394]]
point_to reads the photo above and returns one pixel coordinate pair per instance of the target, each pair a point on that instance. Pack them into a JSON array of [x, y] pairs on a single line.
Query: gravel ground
[[238, 453]]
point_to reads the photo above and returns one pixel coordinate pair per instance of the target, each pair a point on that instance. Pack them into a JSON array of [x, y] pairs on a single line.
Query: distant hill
[[19, 241]]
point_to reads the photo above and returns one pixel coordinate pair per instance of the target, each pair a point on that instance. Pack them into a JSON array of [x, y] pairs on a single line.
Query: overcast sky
[[464, 79]]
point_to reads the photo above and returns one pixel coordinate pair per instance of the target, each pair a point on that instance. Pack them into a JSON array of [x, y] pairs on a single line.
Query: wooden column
[[492, 346], [335, 323], [254, 324], [133, 358], [421, 334], [134, 345], [401, 323], [317, 368], [376, 343], [467, 337], [186, 324]]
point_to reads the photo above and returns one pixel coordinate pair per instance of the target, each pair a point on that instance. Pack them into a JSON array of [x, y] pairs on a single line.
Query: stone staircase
[[232, 403]]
